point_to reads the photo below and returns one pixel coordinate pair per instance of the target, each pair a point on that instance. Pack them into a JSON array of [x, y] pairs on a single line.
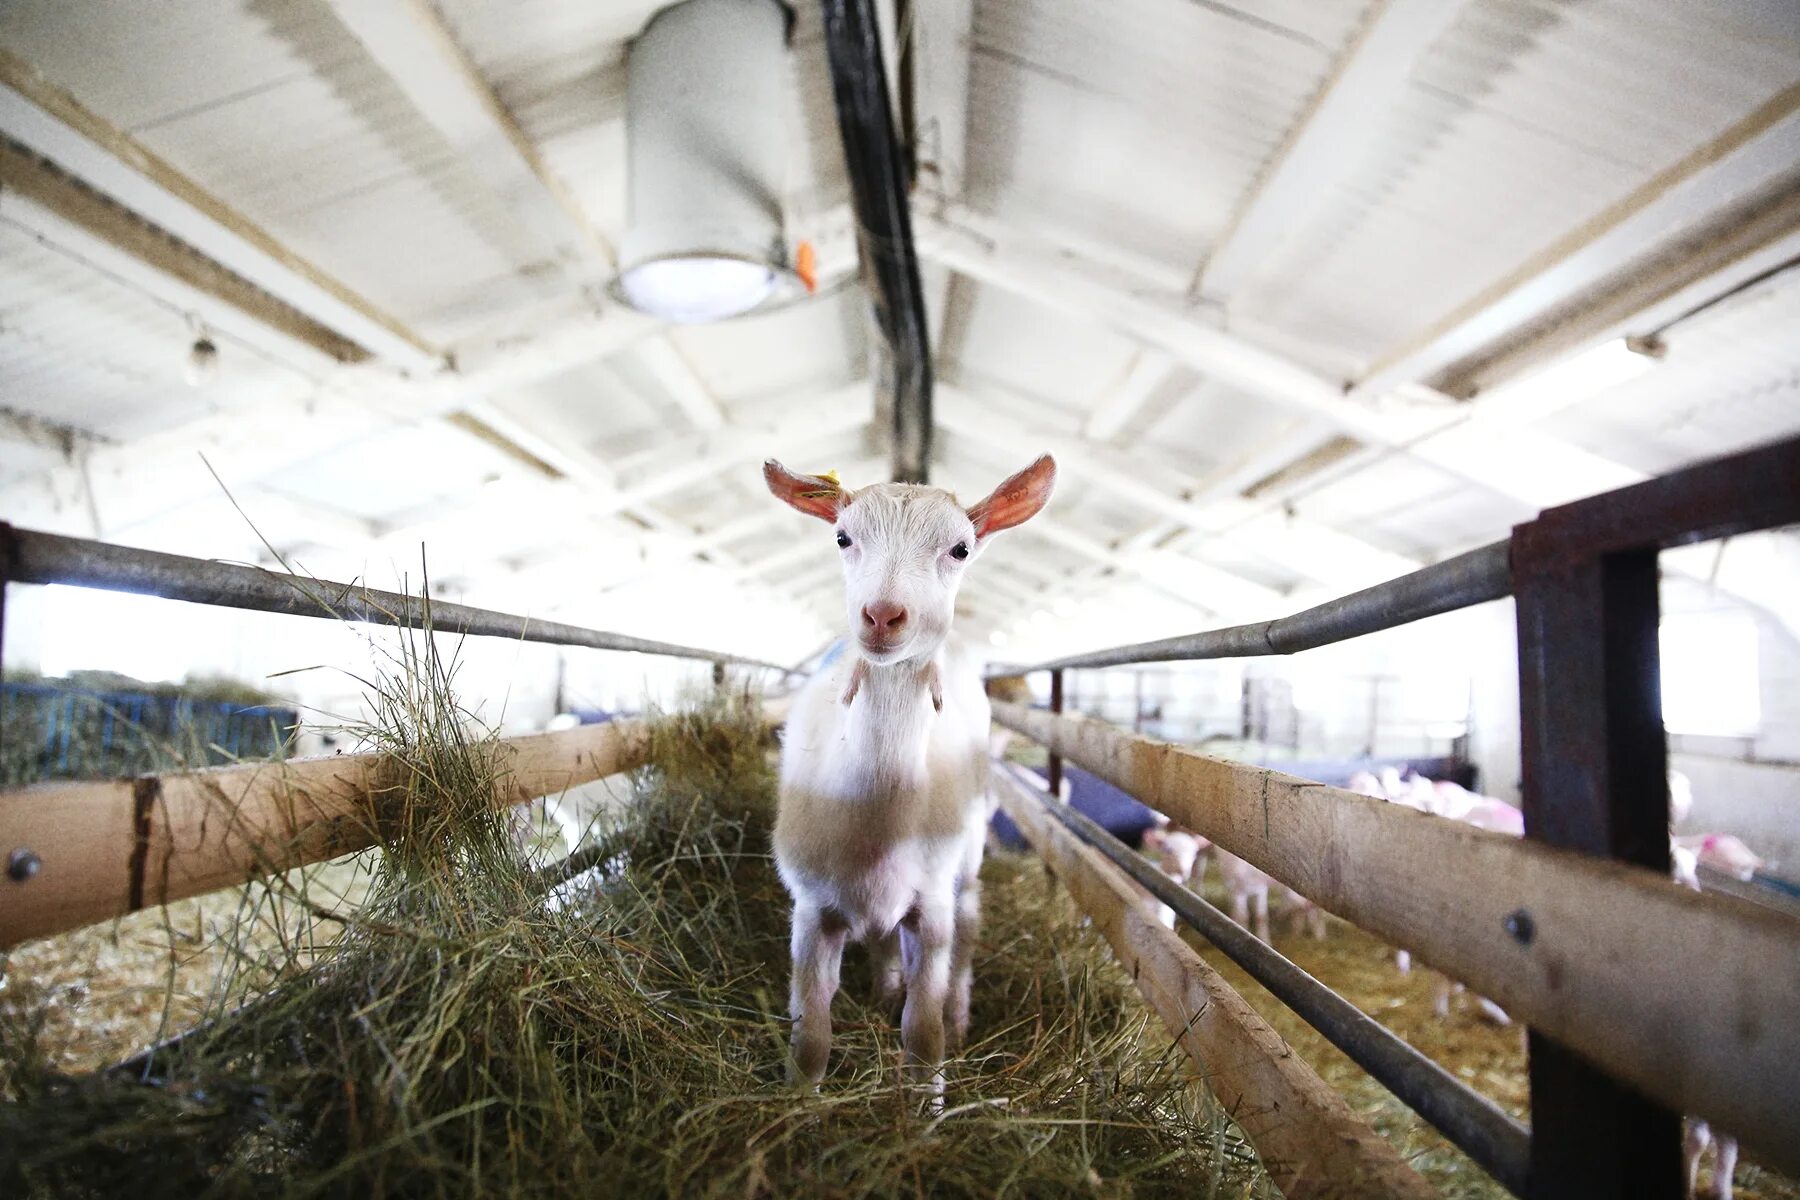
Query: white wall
[[1749, 786], [320, 665], [1435, 680]]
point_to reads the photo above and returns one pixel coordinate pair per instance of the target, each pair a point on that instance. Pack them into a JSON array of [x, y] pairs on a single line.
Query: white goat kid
[[883, 812]]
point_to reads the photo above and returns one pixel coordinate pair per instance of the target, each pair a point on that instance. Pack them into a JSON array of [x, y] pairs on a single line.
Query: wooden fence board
[[1688, 997], [112, 847]]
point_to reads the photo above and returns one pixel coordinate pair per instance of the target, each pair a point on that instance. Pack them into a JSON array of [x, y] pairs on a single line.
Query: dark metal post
[[8, 549], [1053, 774], [1595, 769]]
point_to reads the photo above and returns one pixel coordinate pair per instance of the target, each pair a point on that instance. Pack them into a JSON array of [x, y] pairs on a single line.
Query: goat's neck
[[891, 707]]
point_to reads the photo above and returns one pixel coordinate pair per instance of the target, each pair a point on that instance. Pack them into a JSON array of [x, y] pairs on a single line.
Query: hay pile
[[455, 1035]]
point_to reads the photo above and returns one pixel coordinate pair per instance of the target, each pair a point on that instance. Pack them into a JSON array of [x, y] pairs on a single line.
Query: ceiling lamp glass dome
[[697, 289]]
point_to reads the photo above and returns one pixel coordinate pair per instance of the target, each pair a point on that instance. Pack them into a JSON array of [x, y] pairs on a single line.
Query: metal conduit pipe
[[1499, 1144], [1468, 579], [78, 562]]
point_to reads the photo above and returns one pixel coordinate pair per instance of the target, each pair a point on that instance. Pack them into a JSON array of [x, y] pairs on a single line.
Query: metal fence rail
[[27, 556], [1500, 1145], [1473, 578]]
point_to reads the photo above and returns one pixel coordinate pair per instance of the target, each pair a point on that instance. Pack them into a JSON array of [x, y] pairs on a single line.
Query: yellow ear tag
[[833, 490]]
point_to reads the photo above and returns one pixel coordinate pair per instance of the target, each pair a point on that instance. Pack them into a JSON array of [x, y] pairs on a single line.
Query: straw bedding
[[425, 1022]]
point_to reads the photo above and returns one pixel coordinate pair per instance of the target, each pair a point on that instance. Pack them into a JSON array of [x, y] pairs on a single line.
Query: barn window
[[1710, 684]]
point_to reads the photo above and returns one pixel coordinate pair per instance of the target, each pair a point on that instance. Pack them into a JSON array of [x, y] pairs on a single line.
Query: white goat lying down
[[884, 763]]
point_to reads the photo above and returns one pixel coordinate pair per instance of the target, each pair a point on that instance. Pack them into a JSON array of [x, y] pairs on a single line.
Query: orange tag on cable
[[806, 266]]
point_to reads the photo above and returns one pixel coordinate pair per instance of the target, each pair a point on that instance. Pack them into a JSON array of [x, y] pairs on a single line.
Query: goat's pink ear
[[814, 495], [1017, 500]]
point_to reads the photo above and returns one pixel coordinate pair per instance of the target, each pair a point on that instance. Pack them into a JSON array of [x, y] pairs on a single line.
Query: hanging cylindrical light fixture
[[706, 152]]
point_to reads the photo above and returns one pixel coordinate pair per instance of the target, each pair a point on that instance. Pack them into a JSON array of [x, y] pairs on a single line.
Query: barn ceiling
[[1303, 294]]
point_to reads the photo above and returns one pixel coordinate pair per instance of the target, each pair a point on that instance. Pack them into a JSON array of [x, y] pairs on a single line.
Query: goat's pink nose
[[883, 619]]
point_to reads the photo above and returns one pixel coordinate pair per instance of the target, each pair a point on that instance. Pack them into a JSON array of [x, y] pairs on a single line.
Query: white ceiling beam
[[50, 122], [70, 220], [557, 455], [260, 435], [986, 250], [803, 431], [1331, 137], [1213, 592], [1665, 293], [410, 42], [1053, 529], [1015, 595], [164, 472], [940, 36], [663, 360], [553, 345], [290, 524], [1298, 545], [992, 253], [1148, 374], [1226, 485], [144, 480], [56, 126], [720, 536], [1759, 154], [800, 552], [595, 493]]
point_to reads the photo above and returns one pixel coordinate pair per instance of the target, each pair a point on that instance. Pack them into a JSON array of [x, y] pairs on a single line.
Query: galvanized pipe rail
[[1468, 579], [28, 556], [1500, 1145]]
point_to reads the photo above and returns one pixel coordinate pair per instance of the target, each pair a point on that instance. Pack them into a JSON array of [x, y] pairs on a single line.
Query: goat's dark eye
[[843, 540], [960, 550]]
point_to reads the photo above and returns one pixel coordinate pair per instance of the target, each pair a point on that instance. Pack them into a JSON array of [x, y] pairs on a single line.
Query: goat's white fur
[[883, 814]]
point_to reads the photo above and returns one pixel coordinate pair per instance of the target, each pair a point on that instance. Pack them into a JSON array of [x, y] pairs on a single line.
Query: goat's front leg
[[1694, 1140], [962, 959], [1725, 1155], [818, 954], [925, 938]]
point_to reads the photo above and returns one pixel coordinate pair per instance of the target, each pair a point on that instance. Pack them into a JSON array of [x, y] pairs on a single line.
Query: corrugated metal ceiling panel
[[84, 350], [313, 143], [1002, 337], [1731, 380], [796, 352], [1147, 119], [1523, 121]]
